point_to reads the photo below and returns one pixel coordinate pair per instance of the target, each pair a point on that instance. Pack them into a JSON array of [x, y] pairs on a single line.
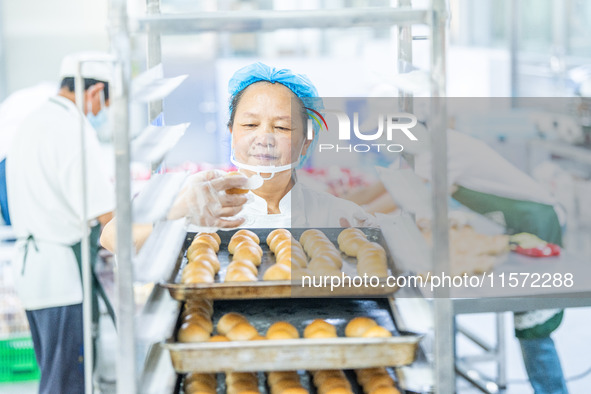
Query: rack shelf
[[237, 22]]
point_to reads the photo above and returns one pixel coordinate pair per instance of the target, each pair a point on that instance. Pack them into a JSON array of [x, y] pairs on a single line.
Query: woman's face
[[264, 132]]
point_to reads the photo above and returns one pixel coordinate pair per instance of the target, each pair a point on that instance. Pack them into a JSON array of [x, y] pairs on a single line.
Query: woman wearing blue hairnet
[[268, 118]]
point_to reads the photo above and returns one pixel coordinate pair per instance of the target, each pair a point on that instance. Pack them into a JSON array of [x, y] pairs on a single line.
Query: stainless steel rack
[[123, 31]]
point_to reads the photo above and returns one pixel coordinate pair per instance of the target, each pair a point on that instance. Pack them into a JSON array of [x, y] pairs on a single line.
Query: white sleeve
[[100, 190]]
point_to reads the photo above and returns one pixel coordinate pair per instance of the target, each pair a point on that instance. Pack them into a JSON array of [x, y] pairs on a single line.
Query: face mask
[[100, 121], [258, 170]]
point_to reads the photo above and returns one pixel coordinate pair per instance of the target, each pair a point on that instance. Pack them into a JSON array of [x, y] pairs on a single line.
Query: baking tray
[[298, 354], [305, 380], [276, 289]]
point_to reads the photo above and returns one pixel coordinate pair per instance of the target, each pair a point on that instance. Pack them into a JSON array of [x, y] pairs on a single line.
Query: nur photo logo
[[390, 127]]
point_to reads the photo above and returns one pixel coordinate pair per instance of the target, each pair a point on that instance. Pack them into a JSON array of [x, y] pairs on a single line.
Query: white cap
[[96, 65]]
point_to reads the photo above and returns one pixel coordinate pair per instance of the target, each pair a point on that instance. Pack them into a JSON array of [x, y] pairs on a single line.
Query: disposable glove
[[205, 203]]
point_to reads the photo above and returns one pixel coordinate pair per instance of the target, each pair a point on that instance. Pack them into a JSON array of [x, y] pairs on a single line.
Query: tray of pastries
[[282, 263], [377, 380], [288, 335]]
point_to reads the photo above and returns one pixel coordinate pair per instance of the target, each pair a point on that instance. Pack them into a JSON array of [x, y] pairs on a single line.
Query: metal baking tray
[[277, 289], [305, 380], [298, 354]]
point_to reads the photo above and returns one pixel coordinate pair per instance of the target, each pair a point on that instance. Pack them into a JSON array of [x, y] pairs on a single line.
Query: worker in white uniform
[[482, 180], [44, 182], [13, 110], [268, 144]]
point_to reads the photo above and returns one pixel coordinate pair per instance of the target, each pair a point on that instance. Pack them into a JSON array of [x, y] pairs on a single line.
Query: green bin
[[17, 360]]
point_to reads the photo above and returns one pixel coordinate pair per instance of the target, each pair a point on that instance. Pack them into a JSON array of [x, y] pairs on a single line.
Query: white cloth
[[16, 107], [476, 166], [301, 207], [43, 173]]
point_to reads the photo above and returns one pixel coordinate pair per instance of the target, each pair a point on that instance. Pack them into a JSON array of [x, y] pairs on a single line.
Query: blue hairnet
[[299, 84]]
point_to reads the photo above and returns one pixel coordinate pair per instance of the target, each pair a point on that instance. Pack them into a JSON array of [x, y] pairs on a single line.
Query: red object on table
[[546, 250]]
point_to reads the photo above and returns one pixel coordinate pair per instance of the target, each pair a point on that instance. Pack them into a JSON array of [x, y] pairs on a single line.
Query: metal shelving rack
[[122, 30]]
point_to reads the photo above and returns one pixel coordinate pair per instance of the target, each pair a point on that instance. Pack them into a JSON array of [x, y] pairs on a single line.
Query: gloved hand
[[205, 203], [360, 219]]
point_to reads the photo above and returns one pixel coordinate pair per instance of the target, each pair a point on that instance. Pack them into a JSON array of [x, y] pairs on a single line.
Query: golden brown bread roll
[[371, 248], [200, 275], [377, 332], [204, 303], [284, 326], [233, 377], [385, 390], [235, 190], [332, 383], [279, 334], [189, 332], [211, 259], [274, 377], [316, 246], [237, 239], [214, 235], [240, 274], [295, 390], [228, 321], [319, 263], [296, 260], [312, 233], [205, 239], [378, 381], [372, 268], [196, 265], [349, 232], [242, 332], [200, 320], [200, 249], [207, 378], [321, 376], [244, 263], [352, 245], [338, 390], [189, 313], [277, 272], [275, 232], [284, 242], [251, 244], [363, 375], [319, 324], [199, 387], [247, 252], [248, 233], [218, 338], [358, 326], [242, 387], [284, 385], [259, 338], [370, 371], [279, 239], [293, 253], [322, 333]]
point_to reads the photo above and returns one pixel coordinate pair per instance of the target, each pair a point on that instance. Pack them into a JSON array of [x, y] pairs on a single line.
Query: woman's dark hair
[[69, 83], [235, 100]]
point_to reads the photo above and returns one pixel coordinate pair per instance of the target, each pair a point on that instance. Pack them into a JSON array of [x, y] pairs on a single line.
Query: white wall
[[38, 33]]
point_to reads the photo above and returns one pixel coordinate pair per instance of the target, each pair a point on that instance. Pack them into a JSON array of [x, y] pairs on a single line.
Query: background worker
[[44, 184], [482, 180]]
